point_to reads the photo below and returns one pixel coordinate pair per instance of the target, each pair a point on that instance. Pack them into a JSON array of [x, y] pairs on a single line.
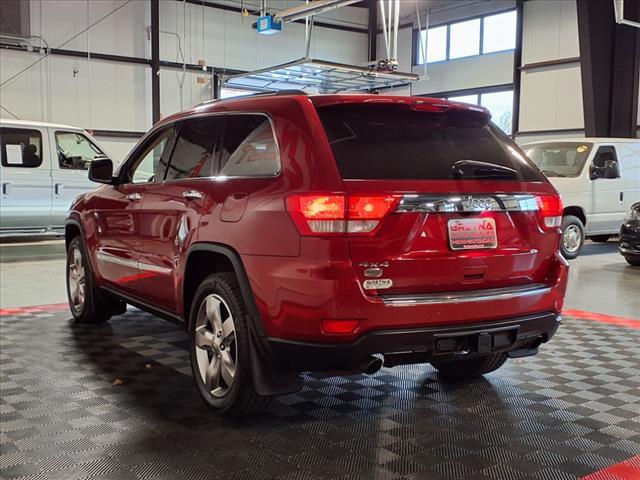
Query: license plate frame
[[472, 233]]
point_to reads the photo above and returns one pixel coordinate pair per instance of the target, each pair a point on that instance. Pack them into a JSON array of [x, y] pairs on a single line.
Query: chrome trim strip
[[107, 257], [154, 268], [485, 295], [468, 203]]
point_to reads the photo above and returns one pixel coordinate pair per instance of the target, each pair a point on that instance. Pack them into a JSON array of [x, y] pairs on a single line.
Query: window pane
[[500, 104], [75, 151], [249, 148], [465, 39], [466, 99], [559, 159], [193, 154], [386, 142], [436, 45], [499, 32], [149, 167], [21, 148]]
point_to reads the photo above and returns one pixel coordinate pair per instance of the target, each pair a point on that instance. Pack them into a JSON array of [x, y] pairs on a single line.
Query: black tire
[[96, 306], [240, 398], [574, 225], [600, 238], [633, 261], [468, 368]]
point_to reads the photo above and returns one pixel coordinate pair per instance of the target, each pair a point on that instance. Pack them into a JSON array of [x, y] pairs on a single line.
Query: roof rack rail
[[275, 93]]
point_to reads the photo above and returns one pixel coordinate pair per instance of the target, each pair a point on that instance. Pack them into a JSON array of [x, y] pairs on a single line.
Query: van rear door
[[439, 200], [26, 180]]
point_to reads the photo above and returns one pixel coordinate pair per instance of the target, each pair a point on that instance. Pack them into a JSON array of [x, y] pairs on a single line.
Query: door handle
[[192, 195], [59, 188], [621, 196], [134, 197], [6, 188]]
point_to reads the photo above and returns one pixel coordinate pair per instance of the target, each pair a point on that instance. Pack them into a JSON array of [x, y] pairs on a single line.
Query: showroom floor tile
[[571, 411]]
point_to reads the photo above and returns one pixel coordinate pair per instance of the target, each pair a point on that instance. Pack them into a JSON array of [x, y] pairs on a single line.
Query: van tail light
[[550, 211], [331, 214]]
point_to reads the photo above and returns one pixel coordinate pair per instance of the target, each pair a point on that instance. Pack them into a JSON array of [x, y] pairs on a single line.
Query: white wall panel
[[551, 99], [116, 148], [550, 30], [471, 72], [122, 33]]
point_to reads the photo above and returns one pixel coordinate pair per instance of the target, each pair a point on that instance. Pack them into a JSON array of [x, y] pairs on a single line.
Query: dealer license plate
[[472, 233]]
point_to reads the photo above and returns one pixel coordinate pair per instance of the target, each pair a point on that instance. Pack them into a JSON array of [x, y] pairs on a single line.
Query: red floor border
[[602, 318], [52, 307], [627, 470]]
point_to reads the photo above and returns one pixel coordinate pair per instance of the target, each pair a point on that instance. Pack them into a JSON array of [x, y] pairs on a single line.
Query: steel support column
[[517, 63], [155, 60], [373, 30], [610, 59]]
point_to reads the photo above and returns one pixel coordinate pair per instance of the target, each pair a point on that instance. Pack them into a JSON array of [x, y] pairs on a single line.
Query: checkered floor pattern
[[572, 410]]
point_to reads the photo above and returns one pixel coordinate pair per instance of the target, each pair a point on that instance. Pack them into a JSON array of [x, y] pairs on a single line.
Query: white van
[[598, 179], [43, 168]]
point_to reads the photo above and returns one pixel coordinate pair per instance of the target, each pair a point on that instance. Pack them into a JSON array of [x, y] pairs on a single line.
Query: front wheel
[[572, 239], [220, 349], [469, 368], [87, 302]]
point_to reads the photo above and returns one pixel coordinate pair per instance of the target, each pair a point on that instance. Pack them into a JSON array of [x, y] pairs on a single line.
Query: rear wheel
[[572, 239], [220, 349], [468, 368], [87, 303], [600, 238], [633, 261]]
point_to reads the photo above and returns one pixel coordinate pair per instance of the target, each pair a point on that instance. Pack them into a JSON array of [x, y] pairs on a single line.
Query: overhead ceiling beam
[[315, 8]]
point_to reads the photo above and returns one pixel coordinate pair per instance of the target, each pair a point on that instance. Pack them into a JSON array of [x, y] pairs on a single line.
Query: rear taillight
[[550, 211], [331, 214]]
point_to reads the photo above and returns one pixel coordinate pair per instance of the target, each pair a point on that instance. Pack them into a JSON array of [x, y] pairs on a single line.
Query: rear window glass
[[394, 142], [559, 159]]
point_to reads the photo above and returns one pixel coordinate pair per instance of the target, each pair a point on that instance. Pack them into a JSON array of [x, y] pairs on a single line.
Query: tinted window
[[390, 142], [149, 164], [193, 154], [249, 148], [75, 151], [21, 147], [559, 159]]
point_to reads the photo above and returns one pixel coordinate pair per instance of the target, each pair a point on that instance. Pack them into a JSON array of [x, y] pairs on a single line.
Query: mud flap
[[268, 379]]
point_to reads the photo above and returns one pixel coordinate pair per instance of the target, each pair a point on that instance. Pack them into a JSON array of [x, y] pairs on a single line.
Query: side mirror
[[609, 169], [101, 171]]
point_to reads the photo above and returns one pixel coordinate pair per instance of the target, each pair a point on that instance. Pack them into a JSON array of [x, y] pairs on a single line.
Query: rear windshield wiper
[[478, 169]]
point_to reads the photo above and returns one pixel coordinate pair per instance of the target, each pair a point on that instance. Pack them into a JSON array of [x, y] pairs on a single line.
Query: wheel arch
[[205, 258], [577, 212]]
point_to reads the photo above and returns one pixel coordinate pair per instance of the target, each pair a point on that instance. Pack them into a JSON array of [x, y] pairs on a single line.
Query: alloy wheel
[[76, 280], [571, 238], [215, 344]]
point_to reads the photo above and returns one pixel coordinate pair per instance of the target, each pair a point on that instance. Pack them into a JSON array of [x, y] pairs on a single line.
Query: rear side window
[[249, 148], [193, 155], [21, 147], [394, 142], [559, 159]]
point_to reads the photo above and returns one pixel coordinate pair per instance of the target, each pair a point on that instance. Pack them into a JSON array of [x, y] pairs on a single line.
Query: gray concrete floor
[[599, 281]]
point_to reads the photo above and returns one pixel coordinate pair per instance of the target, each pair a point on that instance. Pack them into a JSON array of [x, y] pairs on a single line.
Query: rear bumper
[[520, 336]]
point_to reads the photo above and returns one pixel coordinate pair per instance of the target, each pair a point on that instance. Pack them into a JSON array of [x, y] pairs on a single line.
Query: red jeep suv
[[332, 233]]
